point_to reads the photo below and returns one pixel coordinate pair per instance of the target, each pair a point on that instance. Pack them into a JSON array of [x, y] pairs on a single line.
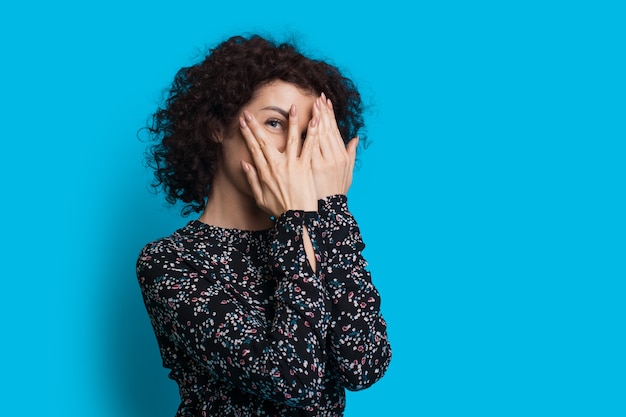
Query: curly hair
[[205, 98]]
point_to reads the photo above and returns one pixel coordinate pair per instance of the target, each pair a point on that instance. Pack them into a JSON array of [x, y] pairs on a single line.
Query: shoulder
[[167, 249], [165, 244]]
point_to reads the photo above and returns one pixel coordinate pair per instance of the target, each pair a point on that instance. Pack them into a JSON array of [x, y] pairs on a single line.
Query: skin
[[269, 169]]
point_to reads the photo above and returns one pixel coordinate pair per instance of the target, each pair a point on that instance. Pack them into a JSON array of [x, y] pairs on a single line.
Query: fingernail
[[242, 123], [247, 115], [245, 166], [292, 110]]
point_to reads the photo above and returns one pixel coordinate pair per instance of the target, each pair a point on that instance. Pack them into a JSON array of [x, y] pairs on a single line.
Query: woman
[[262, 306]]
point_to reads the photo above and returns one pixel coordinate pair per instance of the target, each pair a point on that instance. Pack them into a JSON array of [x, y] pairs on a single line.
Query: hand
[[332, 160], [280, 181]]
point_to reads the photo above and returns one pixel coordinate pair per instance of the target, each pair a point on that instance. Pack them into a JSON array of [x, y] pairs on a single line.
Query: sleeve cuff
[[297, 217], [333, 203], [290, 223]]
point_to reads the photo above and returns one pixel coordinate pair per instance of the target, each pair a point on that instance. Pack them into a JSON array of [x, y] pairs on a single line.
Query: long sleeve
[[225, 333], [358, 334]]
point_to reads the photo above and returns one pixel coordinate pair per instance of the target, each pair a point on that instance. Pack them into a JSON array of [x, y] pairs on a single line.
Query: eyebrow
[[282, 112]]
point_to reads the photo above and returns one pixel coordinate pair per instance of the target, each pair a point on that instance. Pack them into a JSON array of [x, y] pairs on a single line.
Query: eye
[[274, 123]]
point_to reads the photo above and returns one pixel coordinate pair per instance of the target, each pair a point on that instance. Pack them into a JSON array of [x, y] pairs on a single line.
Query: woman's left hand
[[332, 160]]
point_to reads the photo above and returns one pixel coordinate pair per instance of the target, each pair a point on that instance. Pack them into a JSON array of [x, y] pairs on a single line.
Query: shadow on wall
[[138, 384]]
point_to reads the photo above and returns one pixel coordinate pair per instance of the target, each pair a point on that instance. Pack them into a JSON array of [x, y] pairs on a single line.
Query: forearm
[[292, 353], [359, 342]]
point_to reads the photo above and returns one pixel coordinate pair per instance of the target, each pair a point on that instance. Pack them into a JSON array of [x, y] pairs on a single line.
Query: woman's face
[[270, 106]]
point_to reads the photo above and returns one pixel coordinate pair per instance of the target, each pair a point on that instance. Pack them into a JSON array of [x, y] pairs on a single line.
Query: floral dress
[[248, 328]]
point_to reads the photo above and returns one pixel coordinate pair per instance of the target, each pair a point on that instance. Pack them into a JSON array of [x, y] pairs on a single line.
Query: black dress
[[249, 329]]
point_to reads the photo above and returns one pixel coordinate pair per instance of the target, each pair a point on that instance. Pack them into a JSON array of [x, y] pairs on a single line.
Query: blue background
[[491, 197]]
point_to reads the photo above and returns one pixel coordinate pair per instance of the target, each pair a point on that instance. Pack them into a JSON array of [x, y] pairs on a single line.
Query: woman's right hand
[[280, 181]]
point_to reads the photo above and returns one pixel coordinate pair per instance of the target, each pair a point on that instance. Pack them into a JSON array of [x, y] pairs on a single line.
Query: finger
[[313, 132], [294, 143], [336, 141], [328, 102], [258, 157], [253, 180], [265, 145], [313, 127], [312, 142], [324, 130]]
